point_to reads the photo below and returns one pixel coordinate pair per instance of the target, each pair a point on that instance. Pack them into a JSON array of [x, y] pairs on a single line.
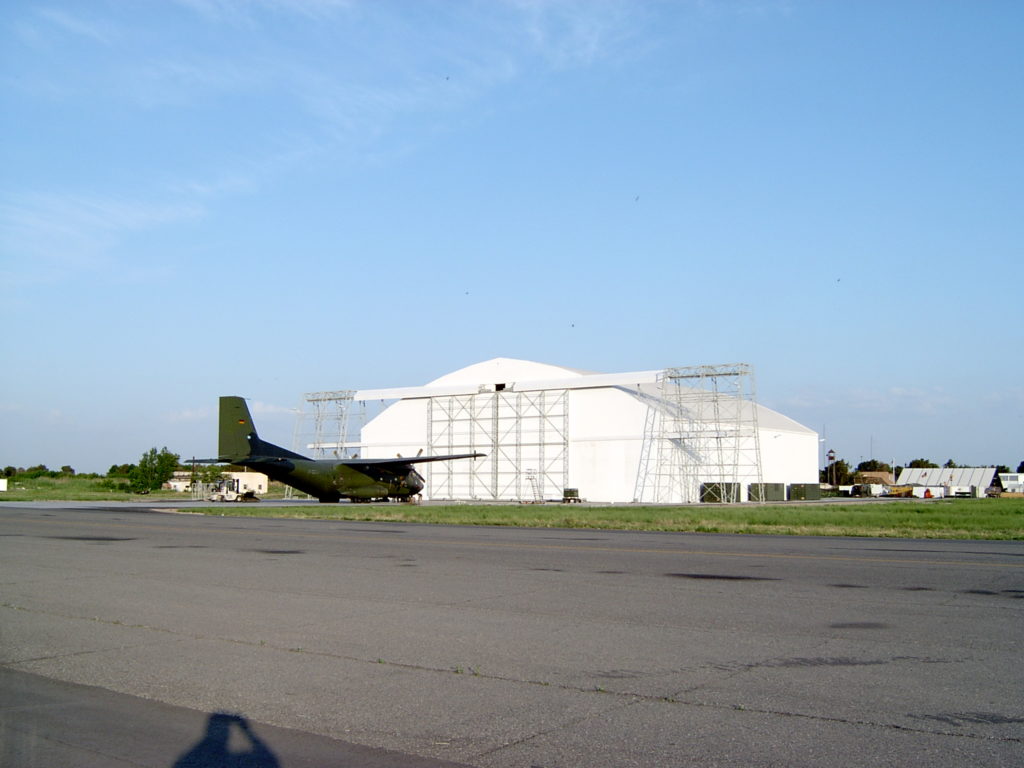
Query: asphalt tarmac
[[134, 636]]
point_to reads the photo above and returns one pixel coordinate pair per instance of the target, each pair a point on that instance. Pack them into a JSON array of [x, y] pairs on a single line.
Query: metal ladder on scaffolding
[[538, 491]]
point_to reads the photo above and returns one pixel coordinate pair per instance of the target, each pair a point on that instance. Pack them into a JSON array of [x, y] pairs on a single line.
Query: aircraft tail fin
[[237, 432], [238, 440]]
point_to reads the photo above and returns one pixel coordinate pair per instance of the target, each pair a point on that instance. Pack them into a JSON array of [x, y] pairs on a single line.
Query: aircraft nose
[[415, 482]]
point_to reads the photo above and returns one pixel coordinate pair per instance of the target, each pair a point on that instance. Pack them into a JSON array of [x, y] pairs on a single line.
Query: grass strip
[[907, 518], [993, 519]]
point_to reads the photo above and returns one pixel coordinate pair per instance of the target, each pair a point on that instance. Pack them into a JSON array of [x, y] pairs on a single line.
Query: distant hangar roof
[[978, 477]]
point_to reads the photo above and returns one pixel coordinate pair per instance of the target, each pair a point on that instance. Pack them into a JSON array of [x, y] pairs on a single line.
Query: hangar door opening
[[525, 437]]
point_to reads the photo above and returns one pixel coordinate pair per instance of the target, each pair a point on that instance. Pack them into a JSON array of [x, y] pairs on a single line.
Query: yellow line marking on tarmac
[[362, 536]]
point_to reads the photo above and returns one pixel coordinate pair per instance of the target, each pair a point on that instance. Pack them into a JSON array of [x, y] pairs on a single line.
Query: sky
[[272, 197]]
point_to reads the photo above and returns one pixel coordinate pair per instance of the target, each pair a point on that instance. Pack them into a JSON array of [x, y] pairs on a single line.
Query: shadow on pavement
[[46, 723], [215, 747]]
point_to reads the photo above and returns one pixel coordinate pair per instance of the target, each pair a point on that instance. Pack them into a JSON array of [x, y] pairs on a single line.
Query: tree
[[153, 470], [950, 464], [67, 470], [39, 470], [873, 465], [210, 474], [837, 473], [922, 464]]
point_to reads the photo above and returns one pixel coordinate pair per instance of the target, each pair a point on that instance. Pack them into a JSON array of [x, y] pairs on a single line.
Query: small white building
[[256, 482], [1012, 482], [612, 437]]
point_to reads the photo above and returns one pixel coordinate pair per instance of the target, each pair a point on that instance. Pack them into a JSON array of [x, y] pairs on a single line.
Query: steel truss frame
[[525, 437], [700, 429], [334, 415]]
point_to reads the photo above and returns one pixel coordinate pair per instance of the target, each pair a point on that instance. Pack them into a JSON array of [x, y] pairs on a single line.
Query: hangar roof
[[515, 375], [509, 374], [979, 477], [504, 369]]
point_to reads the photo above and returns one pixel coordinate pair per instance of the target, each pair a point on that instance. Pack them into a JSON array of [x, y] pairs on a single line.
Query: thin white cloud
[[747, 8], [246, 176], [356, 92], [97, 31], [56, 416], [1010, 398], [190, 415], [431, 69], [869, 401], [49, 237], [260, 408], [914, 400], [570, 33], [190, 79], [333, 102], [244, 11]]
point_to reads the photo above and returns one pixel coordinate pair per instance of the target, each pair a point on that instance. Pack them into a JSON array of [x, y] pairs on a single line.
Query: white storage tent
[[956, 481], [546, 428]]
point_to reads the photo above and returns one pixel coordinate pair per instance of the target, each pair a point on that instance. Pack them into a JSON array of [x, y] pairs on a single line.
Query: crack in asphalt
[[626, 698], [570, 723]]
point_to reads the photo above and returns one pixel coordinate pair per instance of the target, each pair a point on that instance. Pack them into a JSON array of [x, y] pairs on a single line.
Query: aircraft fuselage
[[332, 481]]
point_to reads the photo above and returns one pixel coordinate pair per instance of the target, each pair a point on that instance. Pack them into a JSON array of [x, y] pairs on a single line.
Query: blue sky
[[271, 197]]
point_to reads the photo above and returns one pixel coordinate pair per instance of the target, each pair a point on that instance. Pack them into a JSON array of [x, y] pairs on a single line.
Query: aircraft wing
[[398, 461], [402, 461]]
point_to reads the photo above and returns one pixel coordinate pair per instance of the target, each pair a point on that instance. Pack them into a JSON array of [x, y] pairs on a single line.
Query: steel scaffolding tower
[[324, 424], [701, 432], [320, 414], [525, 437]]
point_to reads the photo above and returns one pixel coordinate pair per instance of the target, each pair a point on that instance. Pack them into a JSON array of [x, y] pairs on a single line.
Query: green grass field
[[907, 518], [82, 489], [936, 519], [65, 489]]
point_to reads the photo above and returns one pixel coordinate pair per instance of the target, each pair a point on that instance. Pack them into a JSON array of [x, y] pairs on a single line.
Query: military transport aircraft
[[329, 480]]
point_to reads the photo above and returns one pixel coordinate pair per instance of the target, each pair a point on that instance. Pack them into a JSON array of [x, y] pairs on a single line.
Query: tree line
[[40, 470], [153, 469], [839, 472]]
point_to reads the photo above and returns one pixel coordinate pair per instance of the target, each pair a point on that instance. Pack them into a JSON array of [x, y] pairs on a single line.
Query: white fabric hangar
[[648, 436]]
